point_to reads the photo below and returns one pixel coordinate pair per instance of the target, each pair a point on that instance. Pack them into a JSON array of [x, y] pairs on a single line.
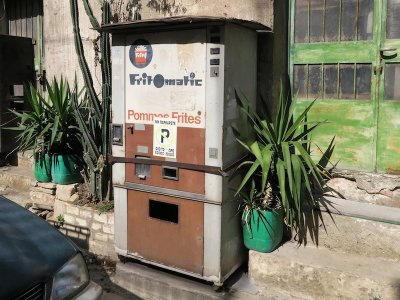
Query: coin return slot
[[142, 170], [170, 173], [163, 211], [117, 134]]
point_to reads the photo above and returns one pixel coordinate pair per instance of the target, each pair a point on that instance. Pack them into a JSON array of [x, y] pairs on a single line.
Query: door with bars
[[345, 53]]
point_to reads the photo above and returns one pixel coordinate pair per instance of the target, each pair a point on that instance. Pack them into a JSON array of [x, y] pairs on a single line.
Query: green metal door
[[339, 55], [388, 133]]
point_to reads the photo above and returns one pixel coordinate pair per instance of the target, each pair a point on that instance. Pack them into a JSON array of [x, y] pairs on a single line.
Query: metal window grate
[[333, 81]]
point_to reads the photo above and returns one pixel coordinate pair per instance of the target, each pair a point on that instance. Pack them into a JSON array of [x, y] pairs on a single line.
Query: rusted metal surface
[[177, 245], [181, 21], [152, 162], [186, 166], [190, 149]]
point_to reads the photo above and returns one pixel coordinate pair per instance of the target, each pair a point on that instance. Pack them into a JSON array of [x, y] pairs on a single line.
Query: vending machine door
[[165, 107]]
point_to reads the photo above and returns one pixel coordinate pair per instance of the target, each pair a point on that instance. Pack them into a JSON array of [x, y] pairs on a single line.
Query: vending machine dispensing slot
[[174, 83]]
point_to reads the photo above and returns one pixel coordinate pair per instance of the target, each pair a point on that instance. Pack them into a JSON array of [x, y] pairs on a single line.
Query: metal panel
[[212, 241], [189, 150], [118, 103], [25, 19], [173, 244], [215, 111], [240, 75], [121, 218], [168, 81], [352, 121]]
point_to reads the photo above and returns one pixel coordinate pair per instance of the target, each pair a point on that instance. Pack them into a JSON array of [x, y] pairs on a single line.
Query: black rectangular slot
[[170, 173], [214, 50], [163, 211], [117, 134]]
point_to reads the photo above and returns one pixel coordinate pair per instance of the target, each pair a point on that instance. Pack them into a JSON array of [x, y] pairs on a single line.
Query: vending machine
[[174, 105]]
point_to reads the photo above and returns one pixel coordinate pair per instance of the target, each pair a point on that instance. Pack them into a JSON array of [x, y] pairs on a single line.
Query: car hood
[[31, 250]]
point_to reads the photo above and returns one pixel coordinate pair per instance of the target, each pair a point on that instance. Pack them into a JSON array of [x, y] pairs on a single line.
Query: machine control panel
[[214, 62], [215, 51]]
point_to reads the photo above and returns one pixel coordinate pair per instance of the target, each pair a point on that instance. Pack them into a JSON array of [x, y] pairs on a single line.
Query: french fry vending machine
[[174, 106]]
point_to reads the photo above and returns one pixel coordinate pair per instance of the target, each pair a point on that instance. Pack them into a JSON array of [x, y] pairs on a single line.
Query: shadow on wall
[[79, 235], [167, 7], [396, 288], [123, 10]]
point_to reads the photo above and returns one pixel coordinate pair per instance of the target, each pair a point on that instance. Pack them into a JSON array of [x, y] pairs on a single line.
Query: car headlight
[[70, 279]]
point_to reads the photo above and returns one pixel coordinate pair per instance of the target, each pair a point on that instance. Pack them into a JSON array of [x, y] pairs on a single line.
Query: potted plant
[[280, 174], [64, 143], [50, 129], [34, 132]]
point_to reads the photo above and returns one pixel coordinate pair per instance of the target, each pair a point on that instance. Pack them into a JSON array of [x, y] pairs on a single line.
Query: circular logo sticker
[[141, 53]]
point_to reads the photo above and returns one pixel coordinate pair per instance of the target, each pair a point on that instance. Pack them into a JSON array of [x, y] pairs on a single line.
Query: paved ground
[[102, 271]]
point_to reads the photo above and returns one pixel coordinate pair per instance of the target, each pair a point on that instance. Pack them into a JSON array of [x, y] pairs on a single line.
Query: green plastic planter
[[65, 168], [42, 167], [263, 231]]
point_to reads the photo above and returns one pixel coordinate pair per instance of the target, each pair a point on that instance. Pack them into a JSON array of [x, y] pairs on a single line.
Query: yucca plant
[[280, 171], [64, 128], [34, 128]]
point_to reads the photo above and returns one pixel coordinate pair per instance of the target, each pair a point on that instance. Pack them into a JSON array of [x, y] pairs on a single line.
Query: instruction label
[[164, 138]]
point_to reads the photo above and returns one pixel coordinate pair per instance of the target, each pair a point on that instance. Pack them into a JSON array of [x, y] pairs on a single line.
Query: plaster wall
[[256, 10], [60, 56]]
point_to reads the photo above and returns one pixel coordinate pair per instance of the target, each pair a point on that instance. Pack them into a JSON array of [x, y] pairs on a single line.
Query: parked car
[[39, 262]]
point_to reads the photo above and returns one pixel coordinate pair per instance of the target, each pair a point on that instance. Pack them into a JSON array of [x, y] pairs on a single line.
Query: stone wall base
[[87, 227]]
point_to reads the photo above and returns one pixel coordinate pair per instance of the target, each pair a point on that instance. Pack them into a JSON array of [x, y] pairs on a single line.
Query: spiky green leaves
[[280, 157]]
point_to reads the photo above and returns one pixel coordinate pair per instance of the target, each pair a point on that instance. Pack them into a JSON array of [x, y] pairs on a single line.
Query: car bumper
[[92, 292]]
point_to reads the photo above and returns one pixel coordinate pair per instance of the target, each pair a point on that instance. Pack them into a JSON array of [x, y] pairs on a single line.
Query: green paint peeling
[[352, 125], [368, 131]]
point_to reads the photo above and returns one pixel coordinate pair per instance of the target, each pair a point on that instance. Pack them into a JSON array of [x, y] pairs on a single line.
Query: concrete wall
[[60, 56], [257, 10]]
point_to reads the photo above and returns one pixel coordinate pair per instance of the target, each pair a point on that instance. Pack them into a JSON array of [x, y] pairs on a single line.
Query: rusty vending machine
[[174, 106]]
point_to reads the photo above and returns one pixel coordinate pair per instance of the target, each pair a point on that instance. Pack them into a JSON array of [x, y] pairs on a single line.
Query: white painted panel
[[118, 101], [214, 121], [212, 240], [165, 77], [121, 218], [240, 75]]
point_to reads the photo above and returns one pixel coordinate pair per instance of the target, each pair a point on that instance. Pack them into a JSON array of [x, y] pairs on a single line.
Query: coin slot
[[170, 173], [142, 170]]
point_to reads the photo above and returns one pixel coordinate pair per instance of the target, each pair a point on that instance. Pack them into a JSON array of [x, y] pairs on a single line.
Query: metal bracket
[[193, 167]]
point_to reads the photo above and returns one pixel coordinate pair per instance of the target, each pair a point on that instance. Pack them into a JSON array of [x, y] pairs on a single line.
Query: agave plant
[[280, 169], [33, 126], [63, 124]]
